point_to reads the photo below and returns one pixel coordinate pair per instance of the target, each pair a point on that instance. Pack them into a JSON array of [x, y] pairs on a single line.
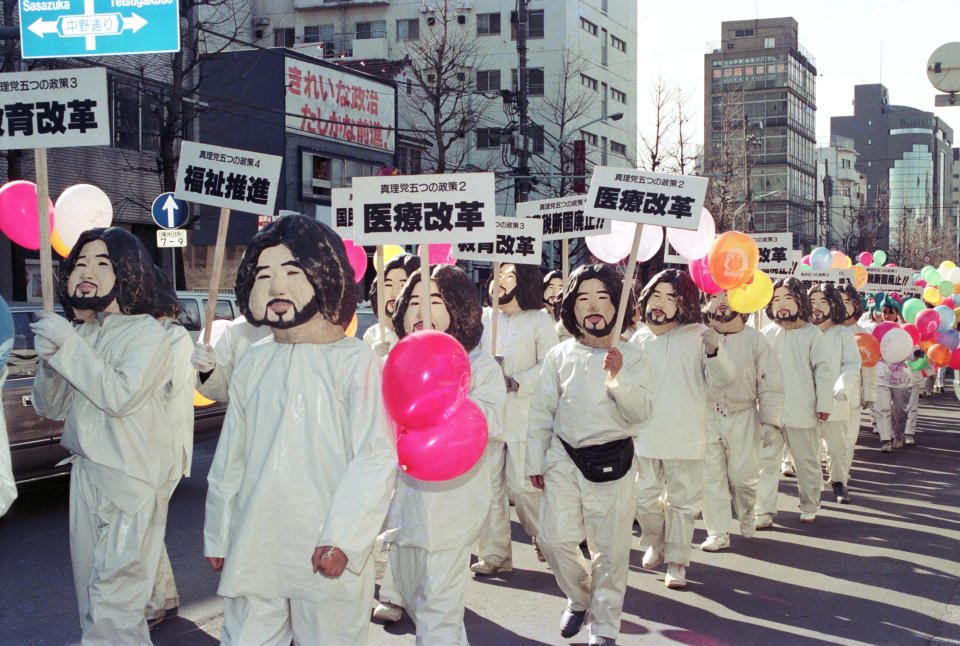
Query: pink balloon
[[912, 330], [18, 213], [612, 247], [890, 264], [700, 272], [866, 258], [425, 378], [927, 321], [446, 450], [919, 283], [883, 328], [694, 244], [805, 260], [358, 259], [440, 254]]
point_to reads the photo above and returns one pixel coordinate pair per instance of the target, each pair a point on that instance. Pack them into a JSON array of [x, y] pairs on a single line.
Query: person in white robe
[[395, 274], [214, 363], [589, 398], [302, 475]]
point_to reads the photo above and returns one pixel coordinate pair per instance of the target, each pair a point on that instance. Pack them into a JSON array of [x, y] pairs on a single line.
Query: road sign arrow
[[134, 22], [41, 27], [170, 206]]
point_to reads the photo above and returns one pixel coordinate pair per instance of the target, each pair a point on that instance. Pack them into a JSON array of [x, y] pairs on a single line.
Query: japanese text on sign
[[452, 208], [341, 212], [336, 104], [224, 177], [563, 218], [54, 109], [836, 276], [647, 198], [888, 279], [518, 241]]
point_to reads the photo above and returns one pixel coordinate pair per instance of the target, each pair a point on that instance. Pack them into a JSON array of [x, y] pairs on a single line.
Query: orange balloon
[[859, 276], [925, 345], [938, 354], [869, 349], [733, 258], [58, 244], [352, 328]]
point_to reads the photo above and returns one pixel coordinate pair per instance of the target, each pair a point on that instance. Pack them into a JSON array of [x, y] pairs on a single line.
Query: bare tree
[[445, 101], [728, 165], [681, 151], [654, 145]]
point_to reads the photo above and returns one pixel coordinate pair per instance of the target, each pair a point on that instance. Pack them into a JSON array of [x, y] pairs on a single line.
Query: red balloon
[[927, 321], [700, 272], [869, 348], [19, 218], [446, 450], [358, 259], [912, 330], [882, 329], [955, 359], [425, 378], [939, 355]]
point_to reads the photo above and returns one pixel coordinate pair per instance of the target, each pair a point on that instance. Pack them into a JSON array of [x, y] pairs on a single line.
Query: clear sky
[[853, 42]]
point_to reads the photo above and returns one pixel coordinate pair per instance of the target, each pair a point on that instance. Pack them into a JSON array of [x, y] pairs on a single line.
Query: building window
[[284, 37], [137, 113], [769, 43], [488, 138], [618, 96], [311, 34], [588, 26], [617, 148], [589, 82], [488, 80], [618, 44], [534, 81], [375, 29], [488, 24], [408, 29], [743, 33], [591, 139], [411, 160], [845, 163], [534, 24]]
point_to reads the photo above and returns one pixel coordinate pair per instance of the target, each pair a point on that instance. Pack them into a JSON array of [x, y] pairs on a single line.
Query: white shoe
[[764, 521], [715, 543], [652, 557], [387, 612], [786, 469], [808, 516], [676, 576], [485, 567]]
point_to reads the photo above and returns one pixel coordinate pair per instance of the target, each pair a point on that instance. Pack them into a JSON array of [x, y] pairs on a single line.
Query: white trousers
[[835, 435], [731, 469], [913, 407], [804, 445], [389, 592], [117, 524], [573, 509], [852, 433], [893, 411], [258, 621], [164, 595], [669, 493], [505, 461], [433, 584]]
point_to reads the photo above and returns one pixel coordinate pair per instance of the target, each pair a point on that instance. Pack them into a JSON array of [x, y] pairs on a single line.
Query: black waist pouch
[[602, 462]]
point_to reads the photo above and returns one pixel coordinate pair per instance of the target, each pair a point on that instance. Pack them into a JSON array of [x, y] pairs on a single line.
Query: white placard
[[810, 278], [335, 104], [777, 256], [648, 198], [564, 218], [54, 109], [889, 279], [410, 209], [171, 238], [341, 212], [519, 241], [239, 180]]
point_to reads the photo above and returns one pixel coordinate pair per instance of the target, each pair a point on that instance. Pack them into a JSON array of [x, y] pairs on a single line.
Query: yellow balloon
[[948, 264], [200, 401], [390, 251], [932, 295], [859, 276], [752, 296], [58, 244], [352, 328]]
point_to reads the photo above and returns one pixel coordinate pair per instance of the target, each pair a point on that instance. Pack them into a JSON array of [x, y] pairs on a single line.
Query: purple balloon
[[949, 338]]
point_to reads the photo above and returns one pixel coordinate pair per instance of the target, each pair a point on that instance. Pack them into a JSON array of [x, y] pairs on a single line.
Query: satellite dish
[[943, 68]]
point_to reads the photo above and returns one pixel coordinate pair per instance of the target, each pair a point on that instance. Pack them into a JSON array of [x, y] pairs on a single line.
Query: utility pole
[[522, 182], [827, 196]]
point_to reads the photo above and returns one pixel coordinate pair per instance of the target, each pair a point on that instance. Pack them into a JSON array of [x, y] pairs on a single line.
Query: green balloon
[[930, 275], [918, 364], [879, 257], [911, 308], [945, 287]]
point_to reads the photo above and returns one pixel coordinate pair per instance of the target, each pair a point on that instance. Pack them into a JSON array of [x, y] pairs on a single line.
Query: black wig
[[460, 298], [858, 303], [838, 313], [685, 292], [612, 282], [168, 304], [796, 290], [408, 262], [529, 290]]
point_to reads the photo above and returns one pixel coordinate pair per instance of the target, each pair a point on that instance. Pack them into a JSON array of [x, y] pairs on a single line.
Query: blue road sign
[[169, 212], [55, 28]]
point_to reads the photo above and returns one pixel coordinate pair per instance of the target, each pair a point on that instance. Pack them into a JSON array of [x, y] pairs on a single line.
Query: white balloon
[[81, 207], [954, 276], [896, 345], [693, 245], [615, 246]]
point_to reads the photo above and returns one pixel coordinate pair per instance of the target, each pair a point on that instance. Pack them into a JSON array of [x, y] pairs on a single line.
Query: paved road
[[883, 570]]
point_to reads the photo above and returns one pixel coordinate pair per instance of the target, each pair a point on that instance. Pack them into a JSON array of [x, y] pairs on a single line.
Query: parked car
[[35, 441]]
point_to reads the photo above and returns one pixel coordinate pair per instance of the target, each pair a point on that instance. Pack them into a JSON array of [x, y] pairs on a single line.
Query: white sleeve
[[224, 480], [849, 368], [217, 384], [630, 389], [543, 408], [545, 337], [770, 391], [719, 370], [52, 394], [489, 392], [825, 369], [8, 487]]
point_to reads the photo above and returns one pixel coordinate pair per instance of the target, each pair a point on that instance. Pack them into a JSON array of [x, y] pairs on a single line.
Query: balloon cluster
[[822, 259], [930, 330], [941, 285], [440, 432]]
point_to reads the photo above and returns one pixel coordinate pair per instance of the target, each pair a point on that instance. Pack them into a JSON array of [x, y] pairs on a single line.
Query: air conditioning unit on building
[[261, 21]]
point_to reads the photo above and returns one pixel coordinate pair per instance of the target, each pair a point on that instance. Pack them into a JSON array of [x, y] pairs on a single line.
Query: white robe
[[8, 487], [381, 344], [229, 348], [809, 372]]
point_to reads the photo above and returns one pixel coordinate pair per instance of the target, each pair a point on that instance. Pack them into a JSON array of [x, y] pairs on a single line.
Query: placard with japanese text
[[519, 241], [809, 278], [888, 279], [236, 179], [341, 211], [648, 198], [564, 217]]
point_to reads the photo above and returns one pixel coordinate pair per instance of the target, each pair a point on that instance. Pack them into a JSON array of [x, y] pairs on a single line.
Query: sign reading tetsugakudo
[[336, 104], [456, 207], [229, 178], [54, 109], [341, 211], [563, 217], [519, 241], [647, 198]]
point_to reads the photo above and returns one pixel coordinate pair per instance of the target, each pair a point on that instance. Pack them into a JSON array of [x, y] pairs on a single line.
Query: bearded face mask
[[508, 284], [92, 283], [392, 285], [784, 306], [819, 308], [718, 308], [552, 293], [662, 305], [281, 296], [594, 310]]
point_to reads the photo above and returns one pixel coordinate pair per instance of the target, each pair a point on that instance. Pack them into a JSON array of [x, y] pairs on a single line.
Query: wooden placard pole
[[217, 272], [381, 296], [627, 286], [565, 260], [494, 307], [43, 213], [425, 285]]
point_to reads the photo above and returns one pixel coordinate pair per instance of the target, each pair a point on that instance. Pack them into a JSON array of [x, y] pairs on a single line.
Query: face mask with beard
[[92, 285], [300, 316], [594, 311], [282, 296], [506, 297]]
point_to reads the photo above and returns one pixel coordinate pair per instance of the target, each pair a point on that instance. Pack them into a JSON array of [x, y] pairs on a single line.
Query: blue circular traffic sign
[[169, 212]]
